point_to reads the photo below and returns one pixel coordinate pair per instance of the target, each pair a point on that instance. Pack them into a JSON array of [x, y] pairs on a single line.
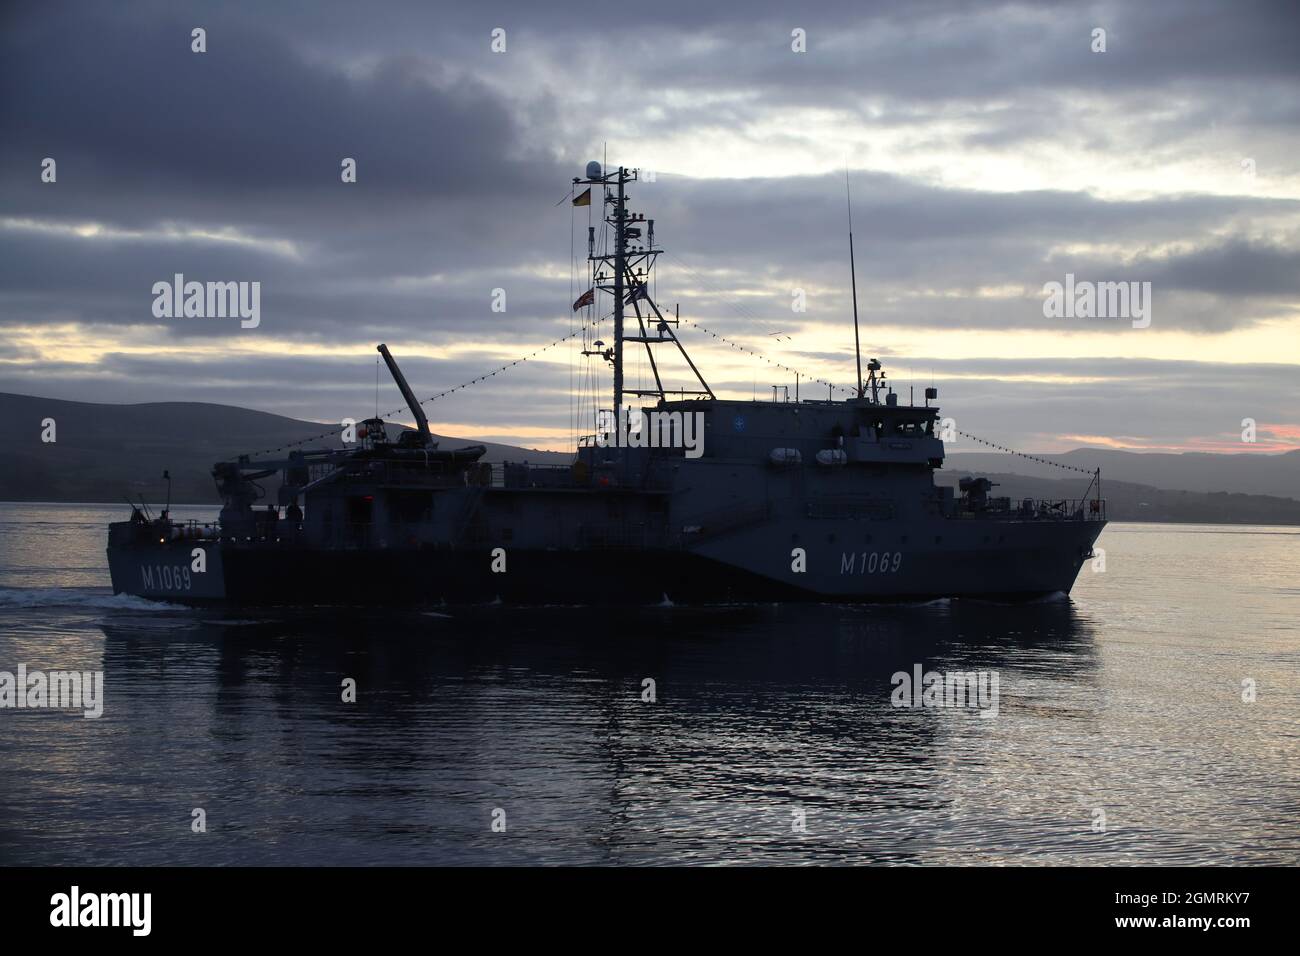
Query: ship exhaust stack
[[421, 422]]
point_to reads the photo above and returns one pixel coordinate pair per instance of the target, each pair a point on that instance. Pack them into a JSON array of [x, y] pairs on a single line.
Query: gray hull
[[760, 515], [991, 560]]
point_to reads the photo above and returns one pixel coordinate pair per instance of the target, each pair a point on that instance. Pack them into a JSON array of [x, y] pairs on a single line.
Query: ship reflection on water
[[771, 736]]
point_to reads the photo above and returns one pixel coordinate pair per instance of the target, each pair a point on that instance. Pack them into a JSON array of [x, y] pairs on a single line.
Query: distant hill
[[1255, 473], [106, 451], [1126, 501]]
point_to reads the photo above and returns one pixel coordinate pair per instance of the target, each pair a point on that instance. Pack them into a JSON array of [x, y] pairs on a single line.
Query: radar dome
[[593, 170]]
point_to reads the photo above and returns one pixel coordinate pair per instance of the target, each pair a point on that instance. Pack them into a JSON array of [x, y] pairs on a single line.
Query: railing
[[1037, 509], [438, 474], [190, 529], [515, 474], [519, 475], [193, 529]]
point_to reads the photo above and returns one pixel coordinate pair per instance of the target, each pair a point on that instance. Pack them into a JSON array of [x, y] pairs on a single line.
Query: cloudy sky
[[990, 150]]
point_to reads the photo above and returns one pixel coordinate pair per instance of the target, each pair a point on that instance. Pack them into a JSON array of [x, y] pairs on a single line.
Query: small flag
[[638, 293], [587, 298], [583, 198]]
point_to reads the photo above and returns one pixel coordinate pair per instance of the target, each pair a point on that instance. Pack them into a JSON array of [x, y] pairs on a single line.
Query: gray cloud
[[463, 154]]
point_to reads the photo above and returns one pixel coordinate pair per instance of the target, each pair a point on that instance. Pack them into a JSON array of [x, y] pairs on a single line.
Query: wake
[[92, 598]]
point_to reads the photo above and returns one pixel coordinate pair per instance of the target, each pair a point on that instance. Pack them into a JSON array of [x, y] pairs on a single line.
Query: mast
[[620, 263], [632, 262]]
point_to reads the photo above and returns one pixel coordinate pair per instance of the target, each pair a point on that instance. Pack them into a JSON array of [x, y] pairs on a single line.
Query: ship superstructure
[[676, 494]]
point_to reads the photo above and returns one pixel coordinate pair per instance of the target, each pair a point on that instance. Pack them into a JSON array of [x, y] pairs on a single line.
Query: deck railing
[[1038, 509]]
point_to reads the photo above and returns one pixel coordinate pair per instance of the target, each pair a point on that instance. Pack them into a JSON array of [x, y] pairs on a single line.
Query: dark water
[[1125, 698]]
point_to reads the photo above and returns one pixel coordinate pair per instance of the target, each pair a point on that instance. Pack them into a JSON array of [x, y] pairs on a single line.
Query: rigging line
[[1021, 454], [848, 391], [573, 269], [432, 398], [748, 314], [591, 377], [718, 292], [758, 354]]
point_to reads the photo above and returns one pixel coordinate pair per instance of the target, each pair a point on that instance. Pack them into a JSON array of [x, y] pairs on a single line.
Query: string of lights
[[721, 338], [1021, 454], [804, 376], [433, 398]]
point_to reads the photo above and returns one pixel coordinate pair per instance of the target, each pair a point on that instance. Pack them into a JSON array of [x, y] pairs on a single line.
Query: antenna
[[853, 273]]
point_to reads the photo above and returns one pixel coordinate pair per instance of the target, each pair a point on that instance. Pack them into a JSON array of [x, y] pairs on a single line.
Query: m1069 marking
[[169, 577], [873, 562]]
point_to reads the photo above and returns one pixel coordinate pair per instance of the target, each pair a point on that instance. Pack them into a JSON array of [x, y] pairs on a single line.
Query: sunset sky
[[990, 151]]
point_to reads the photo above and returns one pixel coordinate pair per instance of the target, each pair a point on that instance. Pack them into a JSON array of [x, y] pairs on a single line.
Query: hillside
[[106, 451], [1254, 473]]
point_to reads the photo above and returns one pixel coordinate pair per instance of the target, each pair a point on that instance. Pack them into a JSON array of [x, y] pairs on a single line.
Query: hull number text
[[166, 577], [870, 562]]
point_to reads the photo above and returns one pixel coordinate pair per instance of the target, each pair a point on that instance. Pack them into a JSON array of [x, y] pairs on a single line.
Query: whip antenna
[[853, 273]]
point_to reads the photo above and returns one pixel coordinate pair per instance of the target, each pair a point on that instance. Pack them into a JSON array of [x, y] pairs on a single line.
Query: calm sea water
[[1124, 699]]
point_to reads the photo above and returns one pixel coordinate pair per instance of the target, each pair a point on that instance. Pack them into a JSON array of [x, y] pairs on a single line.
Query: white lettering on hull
[[873, 562], [166, 577]]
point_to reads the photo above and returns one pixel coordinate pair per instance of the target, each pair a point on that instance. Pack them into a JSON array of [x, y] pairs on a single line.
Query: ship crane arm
[[421, 422]]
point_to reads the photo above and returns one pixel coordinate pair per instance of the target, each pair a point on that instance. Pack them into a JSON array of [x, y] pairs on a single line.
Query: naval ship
[[677, 495]]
